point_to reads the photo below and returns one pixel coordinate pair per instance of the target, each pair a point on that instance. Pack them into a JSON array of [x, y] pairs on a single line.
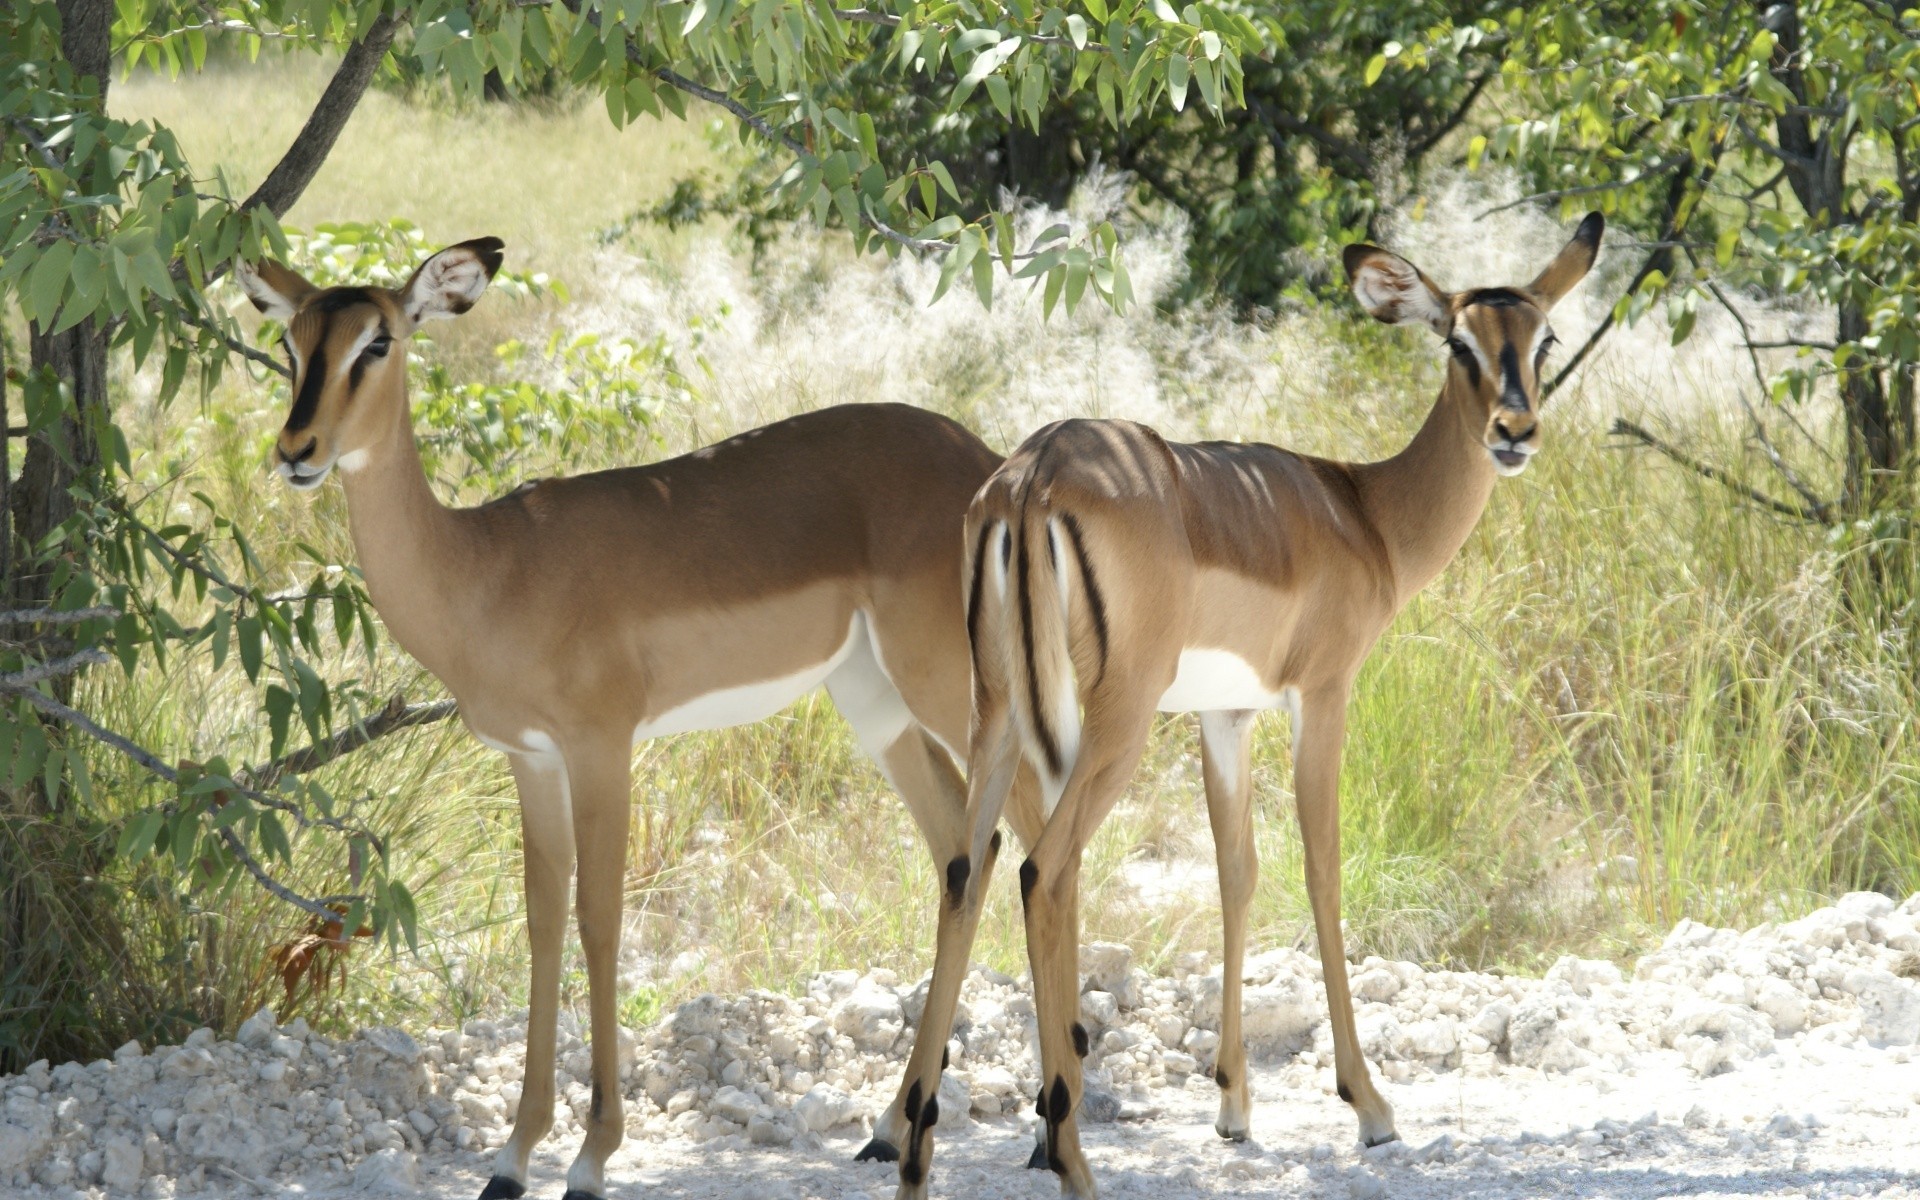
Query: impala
[[1113, 575], [574, 617]]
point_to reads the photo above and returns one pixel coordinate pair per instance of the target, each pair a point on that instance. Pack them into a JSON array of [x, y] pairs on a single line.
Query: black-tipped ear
[[275, 290], [1571, 265], [450, 282], [1394, 290]]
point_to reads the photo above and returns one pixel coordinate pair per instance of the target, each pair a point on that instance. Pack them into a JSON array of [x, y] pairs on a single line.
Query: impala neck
[[1426, 499], [410, 546]]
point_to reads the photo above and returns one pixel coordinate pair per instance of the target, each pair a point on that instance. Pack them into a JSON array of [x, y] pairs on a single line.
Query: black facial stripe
[[1497, 298], [1468, 359], [1512, 394], [308, 401]]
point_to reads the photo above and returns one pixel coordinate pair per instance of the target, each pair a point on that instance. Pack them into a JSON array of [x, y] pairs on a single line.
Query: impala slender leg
[[601, 775], [1322, 729], [546, 835], [994, 762], [1226, 760], [1050, 894]]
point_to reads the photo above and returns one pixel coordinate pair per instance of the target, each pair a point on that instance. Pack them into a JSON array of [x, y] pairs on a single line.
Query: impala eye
[[379, 346], [1460, 349], [1547, 343]]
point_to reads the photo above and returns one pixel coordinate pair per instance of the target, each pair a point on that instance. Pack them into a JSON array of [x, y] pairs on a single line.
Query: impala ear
[[450, 282], [1571, 265], [1394, 290], [274, 290]]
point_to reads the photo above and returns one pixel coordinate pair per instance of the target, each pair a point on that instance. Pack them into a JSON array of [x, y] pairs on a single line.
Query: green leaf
[[48, 282], [1375, 66]]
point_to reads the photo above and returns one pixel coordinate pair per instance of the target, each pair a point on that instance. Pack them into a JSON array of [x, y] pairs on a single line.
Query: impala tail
[[1038, 627]]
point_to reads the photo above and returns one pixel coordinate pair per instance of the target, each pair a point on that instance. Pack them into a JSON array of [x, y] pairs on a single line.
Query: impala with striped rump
[[1112, 575], [576, 616]]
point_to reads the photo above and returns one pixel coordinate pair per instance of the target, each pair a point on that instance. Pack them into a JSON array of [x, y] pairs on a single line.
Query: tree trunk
[[69, 452], [1879, 425]]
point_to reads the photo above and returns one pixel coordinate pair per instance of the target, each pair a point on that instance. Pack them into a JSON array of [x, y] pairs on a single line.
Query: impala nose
[[306, 452]]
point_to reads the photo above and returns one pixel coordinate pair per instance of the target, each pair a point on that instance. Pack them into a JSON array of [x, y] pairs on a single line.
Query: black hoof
[[502, 1188], [1392, 1137], [878, 1151], [1232, 1135], [1038, 1161], [577, 1194]]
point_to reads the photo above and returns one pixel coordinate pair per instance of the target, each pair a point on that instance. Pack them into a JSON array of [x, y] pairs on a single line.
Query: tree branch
[[1346, 149], [152, 763], [1820, 509], [1653, 172], [48, 616], [1629, 429], [396, 716], [297, 167], [20, 681], [1447, 126], [250, 353]]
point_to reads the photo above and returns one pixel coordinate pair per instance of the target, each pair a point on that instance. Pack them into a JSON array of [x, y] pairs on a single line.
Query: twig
[[151, 761], [1791, 344], [396, 716], [1627, 428], [1817, 506], [23, 680], [48, 616], [232, 343], [863, 16], [1654, 172]]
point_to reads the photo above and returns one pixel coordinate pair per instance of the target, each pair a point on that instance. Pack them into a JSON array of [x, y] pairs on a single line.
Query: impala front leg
[[601, 784], [546, 842], [1316, 786]]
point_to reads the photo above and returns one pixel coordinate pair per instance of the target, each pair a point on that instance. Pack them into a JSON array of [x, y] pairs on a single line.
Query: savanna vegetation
[[1672, 674]]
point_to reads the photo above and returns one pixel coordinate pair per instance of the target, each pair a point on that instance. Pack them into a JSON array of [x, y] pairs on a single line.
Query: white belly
[[749, 702], [1214, 681]]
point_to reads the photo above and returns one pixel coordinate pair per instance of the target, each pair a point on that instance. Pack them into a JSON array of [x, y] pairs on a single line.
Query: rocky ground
[[1774, 1062]]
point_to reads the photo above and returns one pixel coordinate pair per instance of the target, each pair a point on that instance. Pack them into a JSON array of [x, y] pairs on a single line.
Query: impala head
[[1497, 338], [348, 351]]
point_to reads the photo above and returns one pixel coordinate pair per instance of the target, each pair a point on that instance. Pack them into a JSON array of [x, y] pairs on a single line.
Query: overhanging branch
[[1627, 428]]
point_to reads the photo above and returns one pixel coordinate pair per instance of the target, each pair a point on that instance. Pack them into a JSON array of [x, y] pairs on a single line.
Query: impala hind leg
[[1050, 896], [1226, 762], [601, 785], [1318, 736], [995, 767], [546, 835]]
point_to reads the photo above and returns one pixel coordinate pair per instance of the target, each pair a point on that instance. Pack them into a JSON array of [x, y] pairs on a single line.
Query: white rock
[[258, 1029], [122, 1164], [1108, 967], [1783, 1004], [871, 1015], [1584, 974], [387, 1172], [1889, 1005], [822, 1108], [1280, 1016], [734, 1105]]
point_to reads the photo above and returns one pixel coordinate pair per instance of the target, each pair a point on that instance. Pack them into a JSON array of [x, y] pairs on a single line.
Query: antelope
[[574, 617], [1113, 575]]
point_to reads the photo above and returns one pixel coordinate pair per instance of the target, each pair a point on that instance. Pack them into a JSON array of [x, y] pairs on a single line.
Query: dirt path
[[1772, 1063]]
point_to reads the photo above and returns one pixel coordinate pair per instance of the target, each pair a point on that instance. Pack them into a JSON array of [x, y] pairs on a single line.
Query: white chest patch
[[749, 702], [1213, 680]]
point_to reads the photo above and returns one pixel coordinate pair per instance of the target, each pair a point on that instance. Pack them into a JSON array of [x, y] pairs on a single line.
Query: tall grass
[[1623, 663]]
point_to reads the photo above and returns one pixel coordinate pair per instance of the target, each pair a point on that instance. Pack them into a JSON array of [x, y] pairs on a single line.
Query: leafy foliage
[[1774, 147]]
